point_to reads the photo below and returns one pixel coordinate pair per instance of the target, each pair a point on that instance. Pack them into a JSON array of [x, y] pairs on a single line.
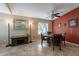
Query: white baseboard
[[72, 43]]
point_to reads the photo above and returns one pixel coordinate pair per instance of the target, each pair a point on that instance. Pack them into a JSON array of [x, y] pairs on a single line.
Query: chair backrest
[[42, 37], [48, 33], [57, 38], [62, 36]]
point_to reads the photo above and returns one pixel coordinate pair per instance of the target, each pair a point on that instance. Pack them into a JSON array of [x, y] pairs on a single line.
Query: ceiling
[[37, 10]]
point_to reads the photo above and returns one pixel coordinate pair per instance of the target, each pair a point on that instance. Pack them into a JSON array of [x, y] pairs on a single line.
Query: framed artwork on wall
[[73, 23], [20, 24]]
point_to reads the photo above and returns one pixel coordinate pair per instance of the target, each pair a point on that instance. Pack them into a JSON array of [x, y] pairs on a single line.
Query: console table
[[17, 40]]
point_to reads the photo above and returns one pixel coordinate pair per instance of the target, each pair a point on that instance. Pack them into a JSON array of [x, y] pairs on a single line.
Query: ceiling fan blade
[[48, 17], [52, 14], [58, 16], [57, 13]]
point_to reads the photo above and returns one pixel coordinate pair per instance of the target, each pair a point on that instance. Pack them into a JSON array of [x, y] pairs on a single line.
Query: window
[[42, 28]]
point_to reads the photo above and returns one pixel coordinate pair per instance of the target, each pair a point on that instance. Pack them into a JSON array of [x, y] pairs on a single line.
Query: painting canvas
[[73, 23], [20, 24]]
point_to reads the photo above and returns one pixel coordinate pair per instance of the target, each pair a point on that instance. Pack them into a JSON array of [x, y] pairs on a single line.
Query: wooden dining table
[[51, 38]]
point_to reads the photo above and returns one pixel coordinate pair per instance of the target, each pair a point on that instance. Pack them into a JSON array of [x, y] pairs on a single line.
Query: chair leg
[[53, 46], [59, 46], [41, 42], [64, 43]]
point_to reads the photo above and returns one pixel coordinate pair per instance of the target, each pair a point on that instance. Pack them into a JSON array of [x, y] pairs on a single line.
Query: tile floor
[[35, 49]]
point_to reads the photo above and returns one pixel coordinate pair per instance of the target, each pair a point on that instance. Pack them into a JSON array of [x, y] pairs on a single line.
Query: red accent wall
[[72, 34]]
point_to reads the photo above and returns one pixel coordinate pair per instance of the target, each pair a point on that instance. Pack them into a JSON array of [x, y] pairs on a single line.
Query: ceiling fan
[[53, 14]]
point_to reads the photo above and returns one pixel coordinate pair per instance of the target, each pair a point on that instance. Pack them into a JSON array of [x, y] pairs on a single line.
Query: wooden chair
[[63, 39], [57, 41], [43, 38]]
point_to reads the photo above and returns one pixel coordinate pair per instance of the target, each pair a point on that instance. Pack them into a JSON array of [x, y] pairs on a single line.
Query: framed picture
[[73, 23], [20, 24]]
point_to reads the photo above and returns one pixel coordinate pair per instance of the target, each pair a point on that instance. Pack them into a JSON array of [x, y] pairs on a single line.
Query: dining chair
[[56, 41], [43, 38], [63, 38]]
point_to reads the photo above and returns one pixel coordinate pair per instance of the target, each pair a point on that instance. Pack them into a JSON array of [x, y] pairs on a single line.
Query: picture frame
[[20, 24], [73, 23]]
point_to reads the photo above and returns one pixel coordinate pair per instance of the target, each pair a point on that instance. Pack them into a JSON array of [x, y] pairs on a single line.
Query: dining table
[[51, 38]]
